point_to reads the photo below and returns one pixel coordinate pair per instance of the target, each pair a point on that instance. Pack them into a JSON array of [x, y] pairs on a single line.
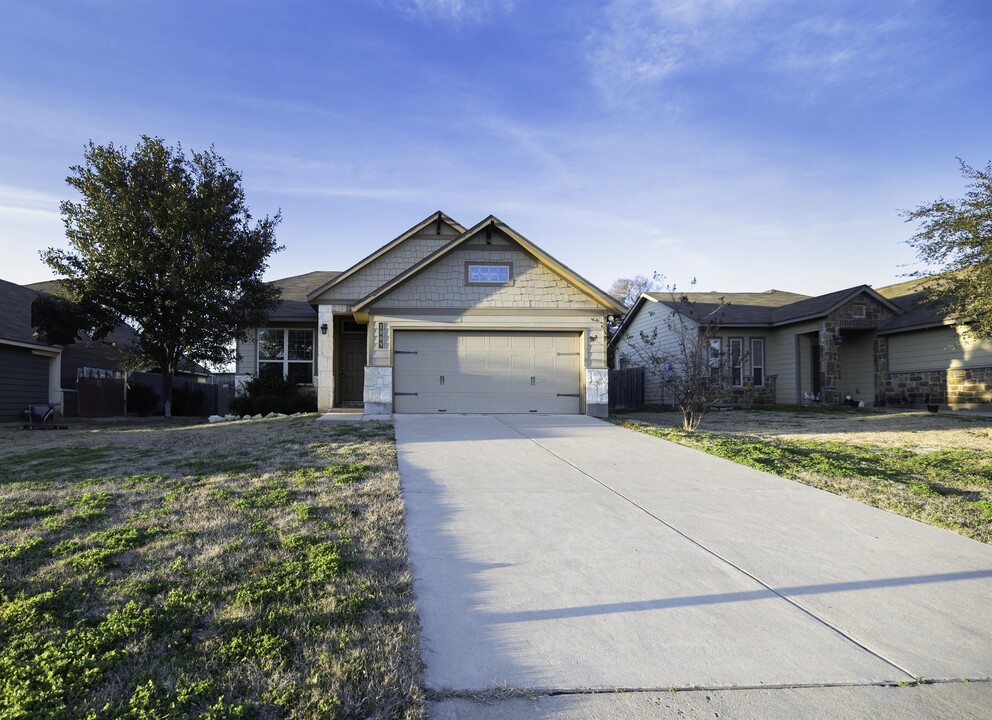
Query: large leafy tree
[[955, 237], [165, 243]]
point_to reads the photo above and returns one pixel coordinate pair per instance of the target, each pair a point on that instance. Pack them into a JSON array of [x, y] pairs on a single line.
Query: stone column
[[325, 358], [829, 364], [378, 390], [881, 347], [597, 392]]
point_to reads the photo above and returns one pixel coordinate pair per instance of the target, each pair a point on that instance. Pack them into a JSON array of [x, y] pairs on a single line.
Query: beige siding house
[[443, 319], [858, 345]]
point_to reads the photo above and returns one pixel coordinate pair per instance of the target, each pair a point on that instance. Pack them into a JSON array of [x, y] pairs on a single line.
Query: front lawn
[[933, 468], [163, 569]]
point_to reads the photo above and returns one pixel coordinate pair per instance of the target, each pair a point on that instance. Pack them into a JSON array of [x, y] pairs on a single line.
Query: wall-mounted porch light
[[838, 339], [323, 329]]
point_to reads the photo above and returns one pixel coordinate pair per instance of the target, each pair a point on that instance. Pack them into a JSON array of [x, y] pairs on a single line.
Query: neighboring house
[[29, 369], [443, 319], [880, 347]]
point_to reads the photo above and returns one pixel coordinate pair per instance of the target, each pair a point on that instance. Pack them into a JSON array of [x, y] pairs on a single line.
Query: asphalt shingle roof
[[15, 317], [293, 305]]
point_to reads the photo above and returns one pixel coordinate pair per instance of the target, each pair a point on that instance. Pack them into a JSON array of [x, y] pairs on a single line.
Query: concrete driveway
[[561, 558]]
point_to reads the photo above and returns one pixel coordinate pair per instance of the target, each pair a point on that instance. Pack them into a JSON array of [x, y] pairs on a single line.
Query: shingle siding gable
[[443, 285], [385, 268]]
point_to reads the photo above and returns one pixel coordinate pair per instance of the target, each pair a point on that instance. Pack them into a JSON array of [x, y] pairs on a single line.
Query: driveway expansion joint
[[916, 678], [497, 694]]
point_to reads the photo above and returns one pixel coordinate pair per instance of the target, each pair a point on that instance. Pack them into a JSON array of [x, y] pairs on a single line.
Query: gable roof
[[436, 217], [916, 314], [771, 308], [604, 299], [293, 305], [15, 320]]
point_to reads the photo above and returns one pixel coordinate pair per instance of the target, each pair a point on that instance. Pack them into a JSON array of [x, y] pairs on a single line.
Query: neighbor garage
[[486, 372]]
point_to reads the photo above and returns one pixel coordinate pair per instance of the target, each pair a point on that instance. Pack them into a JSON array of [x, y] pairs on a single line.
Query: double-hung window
[[758, 361], [716, 352], [737, 361], [286, 354]]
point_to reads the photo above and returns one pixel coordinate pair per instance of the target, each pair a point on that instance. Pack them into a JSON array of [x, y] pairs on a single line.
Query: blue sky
[[750, 144]]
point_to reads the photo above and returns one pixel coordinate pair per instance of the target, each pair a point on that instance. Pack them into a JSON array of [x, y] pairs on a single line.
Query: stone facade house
[[858, 345], [443, 318]]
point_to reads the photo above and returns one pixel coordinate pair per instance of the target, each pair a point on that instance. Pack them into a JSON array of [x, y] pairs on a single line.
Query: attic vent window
[[858, 310], [488, 273]]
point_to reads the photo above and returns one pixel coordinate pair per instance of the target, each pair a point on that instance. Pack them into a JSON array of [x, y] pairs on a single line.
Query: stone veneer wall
[[862, 313], [597, 392], [758, 395], [969, 387], [957, 387]]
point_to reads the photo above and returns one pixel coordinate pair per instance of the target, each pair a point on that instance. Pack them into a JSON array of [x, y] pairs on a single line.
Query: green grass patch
[[275, 588]]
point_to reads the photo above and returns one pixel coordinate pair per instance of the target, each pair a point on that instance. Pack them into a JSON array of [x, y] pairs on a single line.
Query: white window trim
[[763, 360], [285, 351], [736, 363]]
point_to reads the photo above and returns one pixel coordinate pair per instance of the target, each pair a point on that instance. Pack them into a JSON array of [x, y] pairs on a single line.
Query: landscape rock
[[270, 415], [257, 416], [215, 419]]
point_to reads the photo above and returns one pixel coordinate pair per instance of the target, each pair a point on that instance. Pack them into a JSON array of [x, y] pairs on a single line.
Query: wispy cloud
[[456, 12], [22, 200], [646, 43]]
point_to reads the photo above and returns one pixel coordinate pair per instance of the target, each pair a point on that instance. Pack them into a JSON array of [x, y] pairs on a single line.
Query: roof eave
[[570, 275], [433, 217]]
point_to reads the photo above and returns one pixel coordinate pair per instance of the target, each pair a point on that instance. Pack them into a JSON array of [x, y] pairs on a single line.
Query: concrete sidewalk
[[560, 555]]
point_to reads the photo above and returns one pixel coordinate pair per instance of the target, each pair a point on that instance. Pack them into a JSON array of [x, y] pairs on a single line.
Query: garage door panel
[[486, 372]]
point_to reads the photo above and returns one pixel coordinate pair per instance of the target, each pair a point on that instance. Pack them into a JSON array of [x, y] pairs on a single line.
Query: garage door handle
[[568, 394], [404, 352], [532, 380], [442, 379], [399, 393]]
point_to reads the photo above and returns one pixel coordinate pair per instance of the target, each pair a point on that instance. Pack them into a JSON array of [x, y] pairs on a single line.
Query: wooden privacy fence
[[104, 393], [626, 388], [101, 393]]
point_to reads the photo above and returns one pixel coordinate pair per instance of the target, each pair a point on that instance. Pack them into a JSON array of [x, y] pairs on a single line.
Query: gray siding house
[[879, 347], [443, 318], [30, 370]]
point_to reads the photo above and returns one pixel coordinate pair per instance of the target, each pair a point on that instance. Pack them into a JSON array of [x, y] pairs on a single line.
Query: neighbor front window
[[286, 354], [737, 361], [716, 350], [758, 361]]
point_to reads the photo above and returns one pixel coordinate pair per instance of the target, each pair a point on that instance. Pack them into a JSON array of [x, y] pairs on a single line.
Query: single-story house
[[443, 318], [879, 347], [30, 370], [33, 371]]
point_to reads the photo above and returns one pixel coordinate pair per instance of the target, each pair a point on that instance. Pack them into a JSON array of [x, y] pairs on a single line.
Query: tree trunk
[[167, 372]]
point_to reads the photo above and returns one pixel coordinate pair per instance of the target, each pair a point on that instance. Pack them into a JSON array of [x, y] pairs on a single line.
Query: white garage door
[[480, 372]]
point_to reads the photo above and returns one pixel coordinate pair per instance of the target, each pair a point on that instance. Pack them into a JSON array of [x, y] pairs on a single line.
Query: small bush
[[265, 395]]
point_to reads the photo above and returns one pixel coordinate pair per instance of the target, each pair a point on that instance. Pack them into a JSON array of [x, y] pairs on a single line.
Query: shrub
[[265, 395]]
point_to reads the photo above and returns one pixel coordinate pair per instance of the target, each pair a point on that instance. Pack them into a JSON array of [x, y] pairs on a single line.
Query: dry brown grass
[[933, 468], [247, 569]]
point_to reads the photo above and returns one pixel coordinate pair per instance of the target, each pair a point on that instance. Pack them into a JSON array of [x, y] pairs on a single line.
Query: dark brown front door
[[351, 377]]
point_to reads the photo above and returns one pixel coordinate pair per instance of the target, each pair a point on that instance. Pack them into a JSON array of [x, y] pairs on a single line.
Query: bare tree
[[684, 353], [627, 290]]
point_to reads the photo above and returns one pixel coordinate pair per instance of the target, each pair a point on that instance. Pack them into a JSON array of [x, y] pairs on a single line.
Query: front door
[[351, 374]]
